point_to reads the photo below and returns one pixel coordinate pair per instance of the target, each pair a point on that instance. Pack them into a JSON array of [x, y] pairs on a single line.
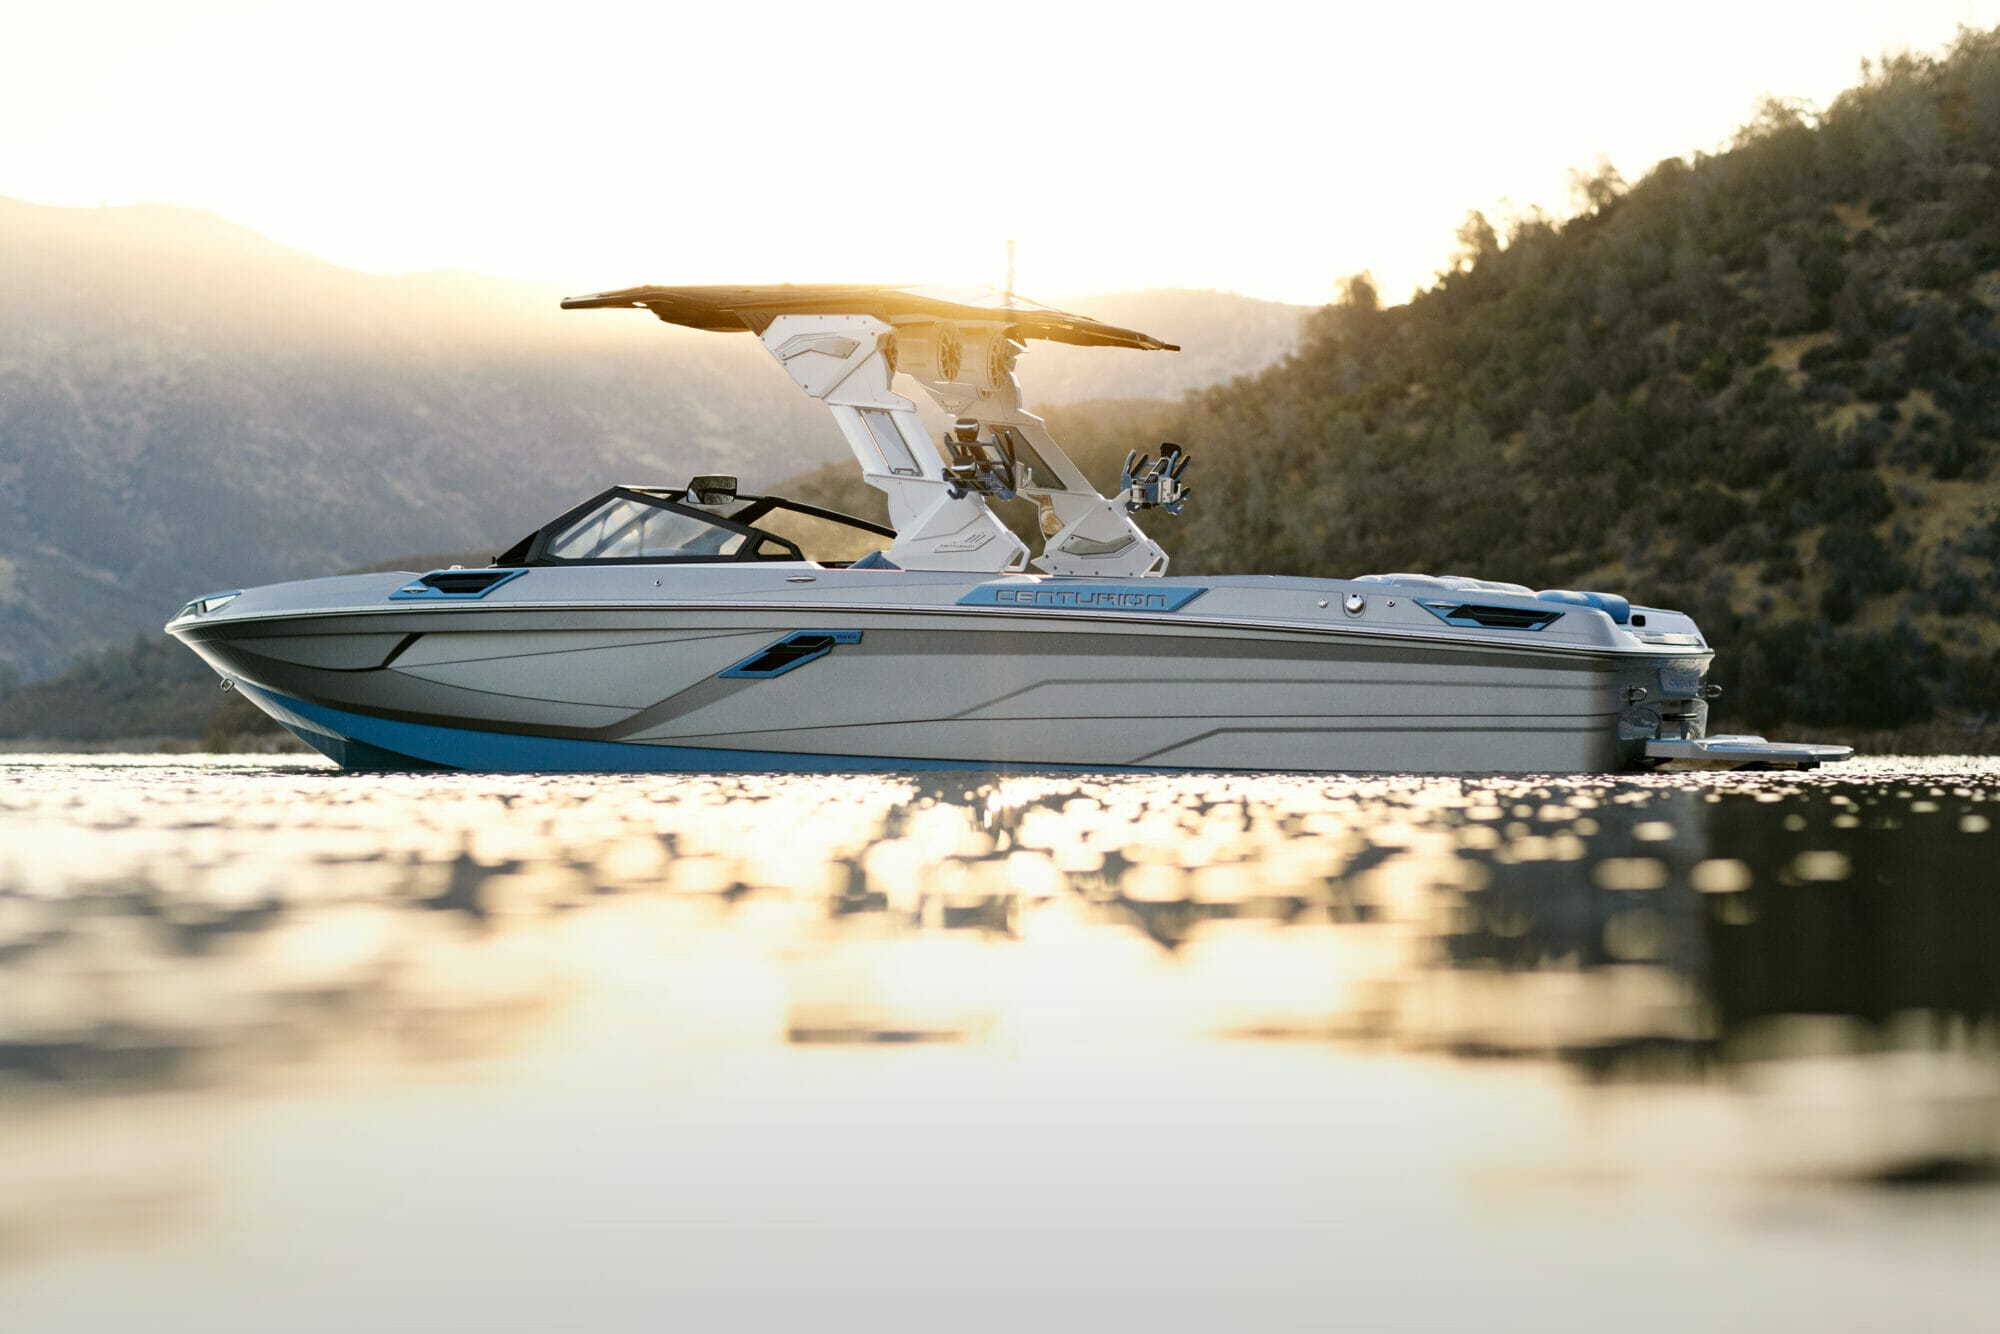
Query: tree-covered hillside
[[1761, 385], [149, 691]]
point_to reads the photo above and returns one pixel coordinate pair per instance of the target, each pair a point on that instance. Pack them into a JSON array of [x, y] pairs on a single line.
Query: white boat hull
[[1250, 674]]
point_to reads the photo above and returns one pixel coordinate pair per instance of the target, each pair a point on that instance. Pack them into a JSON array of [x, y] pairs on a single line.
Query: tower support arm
[[843, 361], [1083, 531]]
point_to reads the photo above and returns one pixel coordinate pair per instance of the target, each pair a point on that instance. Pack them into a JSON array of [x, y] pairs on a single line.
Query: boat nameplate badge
[[1680, 683], [1083, 597]]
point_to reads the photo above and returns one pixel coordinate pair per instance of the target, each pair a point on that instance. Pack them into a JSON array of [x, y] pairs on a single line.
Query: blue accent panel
[[1611, 604], [420, 590], [361, 742], [795, 650], [1135, 595]]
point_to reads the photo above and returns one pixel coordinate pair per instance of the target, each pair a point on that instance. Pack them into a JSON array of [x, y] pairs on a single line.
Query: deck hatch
[[454, 585], [794, 650], [1488, 617]]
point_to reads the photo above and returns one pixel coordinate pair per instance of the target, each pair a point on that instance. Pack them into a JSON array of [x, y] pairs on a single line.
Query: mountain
[[1762, 385], [186, 406]]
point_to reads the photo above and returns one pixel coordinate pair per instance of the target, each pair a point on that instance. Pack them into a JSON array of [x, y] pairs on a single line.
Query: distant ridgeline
[[1762, 386], [148, 692], [151, 691], [186, 406]]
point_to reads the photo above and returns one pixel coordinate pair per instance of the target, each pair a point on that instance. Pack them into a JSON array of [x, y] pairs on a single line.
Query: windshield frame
[[757, 545]]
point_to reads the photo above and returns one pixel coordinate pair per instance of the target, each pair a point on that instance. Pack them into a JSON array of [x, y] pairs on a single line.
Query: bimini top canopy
[[733, 309]]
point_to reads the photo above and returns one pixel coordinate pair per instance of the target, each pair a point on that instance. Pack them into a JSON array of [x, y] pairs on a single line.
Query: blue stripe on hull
[[357, 741]]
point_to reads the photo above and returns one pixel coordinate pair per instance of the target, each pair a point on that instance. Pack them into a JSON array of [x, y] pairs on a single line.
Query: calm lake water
[[287, 1049]]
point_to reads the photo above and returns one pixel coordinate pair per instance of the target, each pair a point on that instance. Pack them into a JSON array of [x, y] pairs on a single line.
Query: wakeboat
[[701, 628]]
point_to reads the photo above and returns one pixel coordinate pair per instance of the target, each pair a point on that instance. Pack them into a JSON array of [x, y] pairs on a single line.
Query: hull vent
[[454, 585], [794, 650], [1488, 617]]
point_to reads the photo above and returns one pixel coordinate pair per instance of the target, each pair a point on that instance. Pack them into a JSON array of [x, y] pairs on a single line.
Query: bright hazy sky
[[1265, 149]]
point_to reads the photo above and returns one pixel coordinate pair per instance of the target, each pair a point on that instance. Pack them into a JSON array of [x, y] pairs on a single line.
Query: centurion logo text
[[1071, 597], [1063, 596]]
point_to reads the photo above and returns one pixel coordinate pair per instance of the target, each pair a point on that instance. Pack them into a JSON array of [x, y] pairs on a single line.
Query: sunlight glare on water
[[282, 1048]]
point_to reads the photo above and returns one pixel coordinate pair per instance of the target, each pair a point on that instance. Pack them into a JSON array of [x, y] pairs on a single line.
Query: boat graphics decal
[[1067, 596], [358, 741]]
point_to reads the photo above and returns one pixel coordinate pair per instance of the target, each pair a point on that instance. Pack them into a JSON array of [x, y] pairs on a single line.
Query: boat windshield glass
[[626, 529], [821, 539], [639, 524]]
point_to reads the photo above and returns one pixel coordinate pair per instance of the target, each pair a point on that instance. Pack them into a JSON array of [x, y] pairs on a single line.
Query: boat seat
[[1619, 609], [874, 560]]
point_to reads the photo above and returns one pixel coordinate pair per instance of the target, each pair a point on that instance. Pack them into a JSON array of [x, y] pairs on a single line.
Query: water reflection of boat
[[701, 628]]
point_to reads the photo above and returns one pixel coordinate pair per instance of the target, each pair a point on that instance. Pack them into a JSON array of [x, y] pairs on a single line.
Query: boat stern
[[1664, 720]]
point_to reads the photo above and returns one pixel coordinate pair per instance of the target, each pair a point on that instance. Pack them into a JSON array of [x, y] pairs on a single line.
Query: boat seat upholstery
[[1619, 609]]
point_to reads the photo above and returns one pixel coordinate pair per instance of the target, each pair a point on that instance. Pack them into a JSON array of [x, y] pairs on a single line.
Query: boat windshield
[[655, 525], [626, 529]]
